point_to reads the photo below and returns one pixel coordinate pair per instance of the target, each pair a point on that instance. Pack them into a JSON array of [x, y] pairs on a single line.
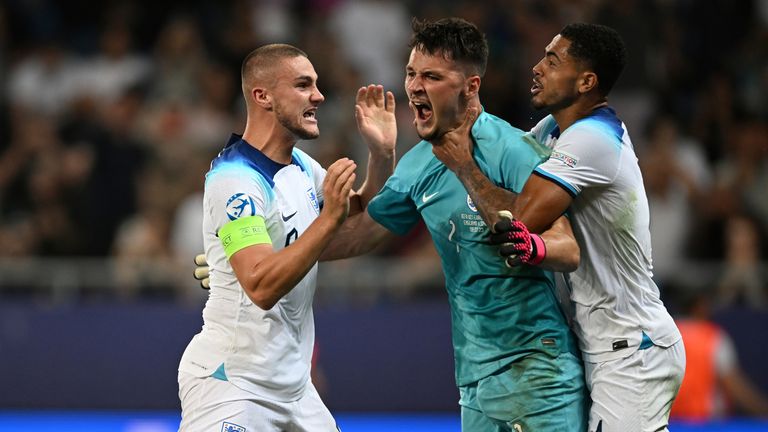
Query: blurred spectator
[[714, 385], [179, 60], [46, 80], [115, 69], [676, 173], [744, 280], [90, 97], [373, 36]]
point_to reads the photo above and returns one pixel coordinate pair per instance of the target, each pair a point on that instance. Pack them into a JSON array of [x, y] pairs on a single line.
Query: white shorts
[[212, 405], [635, 393]]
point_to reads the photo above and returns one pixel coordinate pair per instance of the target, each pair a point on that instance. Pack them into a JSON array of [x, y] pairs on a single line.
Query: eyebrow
[[304, 78], [553, 54]]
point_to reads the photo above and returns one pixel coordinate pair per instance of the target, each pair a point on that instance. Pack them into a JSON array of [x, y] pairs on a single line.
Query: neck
[[581, 108], [266, 134]]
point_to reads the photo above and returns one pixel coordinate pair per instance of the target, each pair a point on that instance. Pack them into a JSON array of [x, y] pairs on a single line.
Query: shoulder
[[416, 159], [498, 136], [305, 161], [602, 126]]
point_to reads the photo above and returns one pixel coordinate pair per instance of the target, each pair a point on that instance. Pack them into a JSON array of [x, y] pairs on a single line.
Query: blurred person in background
[[675, 174], [714, 386], [270, 212], [744, 279]]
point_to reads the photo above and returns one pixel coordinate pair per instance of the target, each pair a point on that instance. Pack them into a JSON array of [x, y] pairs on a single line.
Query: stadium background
[[110, 113]]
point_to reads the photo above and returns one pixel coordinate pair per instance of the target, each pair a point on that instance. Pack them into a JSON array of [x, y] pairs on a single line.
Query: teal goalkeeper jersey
[[498, 314]]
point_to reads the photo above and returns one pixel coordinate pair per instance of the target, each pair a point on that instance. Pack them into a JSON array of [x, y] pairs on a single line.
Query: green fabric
[[243, 232], [499, 314], [532, 394]]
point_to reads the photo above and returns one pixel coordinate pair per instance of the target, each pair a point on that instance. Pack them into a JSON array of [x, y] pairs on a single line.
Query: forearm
[[278, 273], [563, 253], [487, 197], [357, 236], [380, 168]]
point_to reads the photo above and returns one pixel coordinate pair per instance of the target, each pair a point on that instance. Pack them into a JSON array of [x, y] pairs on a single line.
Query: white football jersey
[[267, 353], [614, 296]]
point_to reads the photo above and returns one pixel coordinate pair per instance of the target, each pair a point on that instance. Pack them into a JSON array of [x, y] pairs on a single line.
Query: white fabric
[[267, 353], [635, 393], [614, 296], [212, 405]]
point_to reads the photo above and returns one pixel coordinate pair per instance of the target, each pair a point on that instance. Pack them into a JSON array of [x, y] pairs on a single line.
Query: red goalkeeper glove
[[517, 244]]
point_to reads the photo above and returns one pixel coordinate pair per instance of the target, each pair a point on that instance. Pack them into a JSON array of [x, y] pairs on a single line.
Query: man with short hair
[[633, 353], [270, 211], [517, 364]]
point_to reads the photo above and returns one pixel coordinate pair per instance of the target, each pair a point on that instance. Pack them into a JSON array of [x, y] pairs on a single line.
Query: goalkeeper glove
[[202, 271], [518, 245]]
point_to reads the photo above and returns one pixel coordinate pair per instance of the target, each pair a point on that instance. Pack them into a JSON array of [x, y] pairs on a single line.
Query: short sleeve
[[233, 195], [584, 156], [393, 207], [517, 164]]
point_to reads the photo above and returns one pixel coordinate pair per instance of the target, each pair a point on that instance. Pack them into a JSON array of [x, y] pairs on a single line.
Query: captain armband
[[243, 232]]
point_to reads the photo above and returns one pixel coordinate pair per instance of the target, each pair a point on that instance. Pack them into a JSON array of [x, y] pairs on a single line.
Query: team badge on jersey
[[565, 158], [471, 204], [313, 199], [231, 427], [240, 205]]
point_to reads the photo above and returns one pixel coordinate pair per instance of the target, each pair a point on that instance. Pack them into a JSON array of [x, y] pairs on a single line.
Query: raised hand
[[336, 188], [376, 118], [454, 148]]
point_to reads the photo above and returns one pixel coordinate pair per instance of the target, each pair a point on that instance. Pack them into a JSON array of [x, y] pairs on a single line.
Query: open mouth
[[423, 110], [311, 114], [536, 88]]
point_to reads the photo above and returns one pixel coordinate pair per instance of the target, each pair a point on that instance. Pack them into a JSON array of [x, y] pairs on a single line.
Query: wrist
[[382, 153], [538, 250]]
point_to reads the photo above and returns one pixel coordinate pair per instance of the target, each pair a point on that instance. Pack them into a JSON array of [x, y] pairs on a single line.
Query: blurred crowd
[[110, 114]]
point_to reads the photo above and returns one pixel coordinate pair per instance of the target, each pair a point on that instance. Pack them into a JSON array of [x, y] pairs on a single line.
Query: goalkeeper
[[517, 365]]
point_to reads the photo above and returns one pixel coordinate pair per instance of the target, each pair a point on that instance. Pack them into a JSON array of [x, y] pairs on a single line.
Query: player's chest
[[295, 206], [447, 209]]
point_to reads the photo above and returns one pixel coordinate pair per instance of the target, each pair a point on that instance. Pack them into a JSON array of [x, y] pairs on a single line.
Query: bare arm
[[540, 203], [744, 393], [358, 235], [376, 122], [454, 149], [543, 215], [563, 253], [267, 276]]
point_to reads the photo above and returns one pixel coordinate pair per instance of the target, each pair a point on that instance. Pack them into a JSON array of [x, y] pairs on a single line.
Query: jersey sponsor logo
[[471, 204], [313, 199], [565, 158], [287, 218], [425, 197], [231, 427], [240, 205]]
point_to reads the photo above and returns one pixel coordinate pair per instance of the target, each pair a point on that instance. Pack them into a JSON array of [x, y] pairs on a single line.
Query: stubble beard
[[294, 126]]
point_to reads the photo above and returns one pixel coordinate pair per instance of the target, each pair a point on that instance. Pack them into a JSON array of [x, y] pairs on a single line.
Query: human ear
[[587, 82], [472, 86], [262, 97]]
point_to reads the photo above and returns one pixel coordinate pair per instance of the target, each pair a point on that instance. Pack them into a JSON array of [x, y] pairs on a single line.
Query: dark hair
[[601, 48], [455, 38], [267, 55]]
